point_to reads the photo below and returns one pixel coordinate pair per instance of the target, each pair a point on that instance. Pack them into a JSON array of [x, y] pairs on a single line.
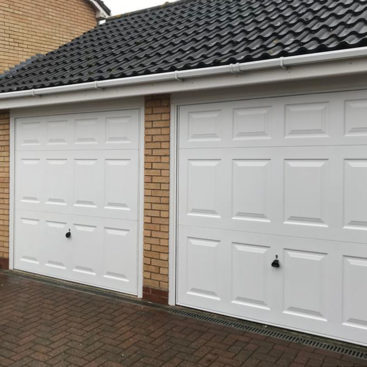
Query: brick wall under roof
[[29, 27], [4, 189], [156, 197]]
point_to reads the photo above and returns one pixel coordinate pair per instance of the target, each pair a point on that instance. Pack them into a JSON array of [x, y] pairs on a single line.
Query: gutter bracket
[[34, 94], [282, 64], [177, 77], [235, 68]]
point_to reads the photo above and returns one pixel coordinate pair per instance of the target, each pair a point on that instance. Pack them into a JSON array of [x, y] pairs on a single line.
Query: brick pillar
[[4, 188], [156, 198]]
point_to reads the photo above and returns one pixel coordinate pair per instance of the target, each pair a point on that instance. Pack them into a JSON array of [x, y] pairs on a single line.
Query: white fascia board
[[331, 64]]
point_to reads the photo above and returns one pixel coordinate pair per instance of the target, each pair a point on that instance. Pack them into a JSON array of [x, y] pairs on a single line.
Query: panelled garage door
[[276, 179], [76, 197]]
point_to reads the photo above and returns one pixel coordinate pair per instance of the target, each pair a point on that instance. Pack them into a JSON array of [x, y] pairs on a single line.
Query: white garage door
[[276, 178], [78, 173]]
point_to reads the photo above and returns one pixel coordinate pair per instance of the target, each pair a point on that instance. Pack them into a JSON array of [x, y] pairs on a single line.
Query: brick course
[[4, 189], [29, 27], [156, 197]]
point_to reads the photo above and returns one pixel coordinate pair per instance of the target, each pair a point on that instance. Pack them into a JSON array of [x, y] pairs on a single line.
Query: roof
[[192, 34], [100, 5]]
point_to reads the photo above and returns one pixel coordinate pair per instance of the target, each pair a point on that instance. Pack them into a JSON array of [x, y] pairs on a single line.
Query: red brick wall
[[29, 27], [156, 197]]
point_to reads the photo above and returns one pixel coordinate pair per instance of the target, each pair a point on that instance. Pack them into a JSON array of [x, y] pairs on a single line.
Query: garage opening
[[276, 181], [77, 197]]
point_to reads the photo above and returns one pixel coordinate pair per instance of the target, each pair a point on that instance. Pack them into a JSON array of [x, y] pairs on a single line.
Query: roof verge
[[103, 11]]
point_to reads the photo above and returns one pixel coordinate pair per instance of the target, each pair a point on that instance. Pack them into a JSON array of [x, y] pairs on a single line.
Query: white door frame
[[173, 225], [134, 103]]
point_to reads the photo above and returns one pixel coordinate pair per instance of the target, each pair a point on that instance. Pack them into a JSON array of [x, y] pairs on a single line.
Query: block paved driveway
[[43, 324]]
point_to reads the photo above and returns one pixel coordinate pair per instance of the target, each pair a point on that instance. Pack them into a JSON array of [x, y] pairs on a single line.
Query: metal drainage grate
[[349, 350]]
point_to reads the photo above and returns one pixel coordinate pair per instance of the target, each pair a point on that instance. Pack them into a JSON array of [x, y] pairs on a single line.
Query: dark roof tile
[[196, 34]]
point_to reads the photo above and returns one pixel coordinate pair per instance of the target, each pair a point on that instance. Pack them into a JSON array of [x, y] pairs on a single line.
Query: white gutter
[[282, 63]]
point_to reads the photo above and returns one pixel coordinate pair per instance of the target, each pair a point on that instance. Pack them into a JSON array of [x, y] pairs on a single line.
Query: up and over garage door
[[276, 179], [76, 197]]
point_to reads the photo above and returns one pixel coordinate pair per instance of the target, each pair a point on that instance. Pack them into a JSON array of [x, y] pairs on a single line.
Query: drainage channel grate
[[350, 351], [243, 325]]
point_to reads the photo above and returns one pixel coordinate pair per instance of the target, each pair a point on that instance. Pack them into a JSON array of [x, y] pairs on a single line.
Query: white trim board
[[141, 203], [202, 80], [172, 208], [11, 190]]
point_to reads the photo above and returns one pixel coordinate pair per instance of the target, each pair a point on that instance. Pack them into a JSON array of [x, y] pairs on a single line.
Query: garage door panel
[[30, 133], [121, 131], [30, 171], [251, 285], [355, 123], [307, 120], [203, 177], [305, 286], [58, 131], [251, 191], [85, 259], [202, 198], [202, 253], [204, 126], [354, 300], [28, 254], [119, 255], [355, 194], [121, 183], [88, 131], [87, 196], [56, 248], [252, 123], [203, 257], [57, 183], [306, 191]]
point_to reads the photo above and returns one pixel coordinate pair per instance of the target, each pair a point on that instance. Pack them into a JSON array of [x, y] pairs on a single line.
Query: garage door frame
[[317, 86], [131, 103]]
